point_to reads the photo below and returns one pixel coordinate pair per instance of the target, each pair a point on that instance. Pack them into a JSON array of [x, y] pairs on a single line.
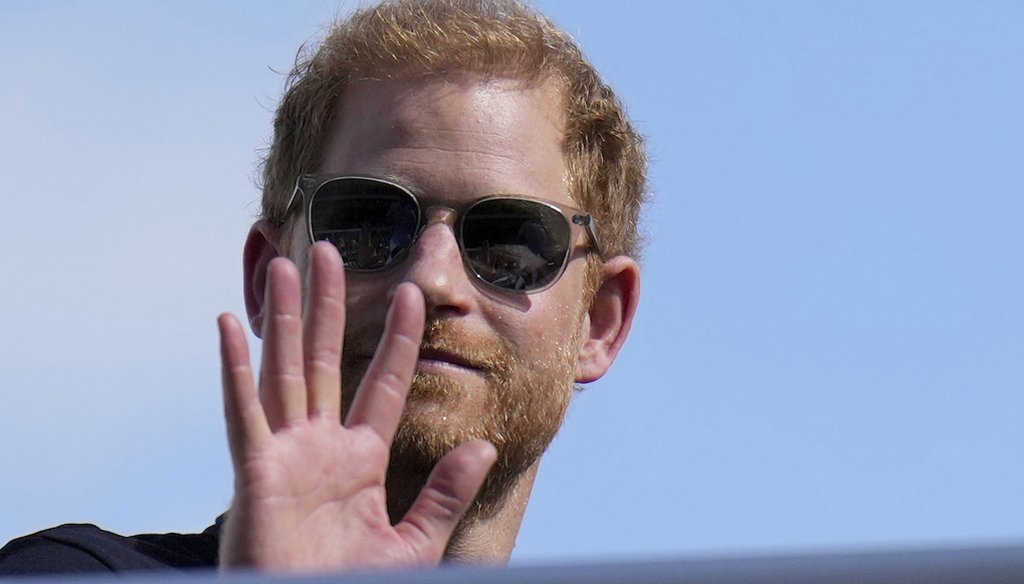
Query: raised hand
[[310, 490]]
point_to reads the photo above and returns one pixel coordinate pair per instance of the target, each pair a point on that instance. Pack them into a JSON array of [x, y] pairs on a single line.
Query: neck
[[490, 539]]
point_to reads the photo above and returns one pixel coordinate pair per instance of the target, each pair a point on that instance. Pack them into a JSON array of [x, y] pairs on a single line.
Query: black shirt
[[77, 548]]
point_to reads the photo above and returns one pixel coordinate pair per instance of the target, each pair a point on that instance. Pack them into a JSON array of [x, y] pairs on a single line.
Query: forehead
[[456, 135]]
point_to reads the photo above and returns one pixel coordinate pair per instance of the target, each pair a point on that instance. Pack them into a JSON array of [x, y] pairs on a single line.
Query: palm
[[327, 482], [309, 490]]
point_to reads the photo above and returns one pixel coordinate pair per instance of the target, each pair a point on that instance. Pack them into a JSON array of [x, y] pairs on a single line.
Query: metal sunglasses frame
[[308, 185]]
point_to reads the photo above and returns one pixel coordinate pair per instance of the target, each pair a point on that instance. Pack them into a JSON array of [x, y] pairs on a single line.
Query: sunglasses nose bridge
[[440, 214], [435, 263], [437, 214]]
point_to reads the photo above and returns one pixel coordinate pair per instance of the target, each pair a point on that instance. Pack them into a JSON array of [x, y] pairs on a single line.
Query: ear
[[258, 251], [606, 325]]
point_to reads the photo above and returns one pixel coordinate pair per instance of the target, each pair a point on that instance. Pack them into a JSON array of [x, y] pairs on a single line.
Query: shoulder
[[87, 548]]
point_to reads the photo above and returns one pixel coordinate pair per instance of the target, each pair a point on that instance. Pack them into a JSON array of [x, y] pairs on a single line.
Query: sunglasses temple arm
[[297, 194], [588, 222]]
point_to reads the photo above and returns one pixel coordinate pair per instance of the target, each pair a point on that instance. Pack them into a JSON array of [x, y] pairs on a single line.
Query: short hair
[[603, 152]]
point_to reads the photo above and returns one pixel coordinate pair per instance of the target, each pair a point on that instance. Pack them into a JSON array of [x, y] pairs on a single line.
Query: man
[[473, 190]]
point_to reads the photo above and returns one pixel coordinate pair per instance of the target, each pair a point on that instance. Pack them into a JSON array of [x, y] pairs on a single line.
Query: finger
[[246, 423], [450, 490], [381, 395], [282, 385], [324, 330]]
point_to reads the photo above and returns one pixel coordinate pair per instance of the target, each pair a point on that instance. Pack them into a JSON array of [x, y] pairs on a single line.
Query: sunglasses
[[511, 243]]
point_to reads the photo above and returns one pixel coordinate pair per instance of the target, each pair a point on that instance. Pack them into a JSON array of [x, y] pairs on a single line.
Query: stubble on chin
[[519, 408]]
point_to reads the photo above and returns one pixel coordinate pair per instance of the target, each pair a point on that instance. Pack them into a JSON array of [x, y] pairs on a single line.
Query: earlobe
[[256, 255], [609, 319]]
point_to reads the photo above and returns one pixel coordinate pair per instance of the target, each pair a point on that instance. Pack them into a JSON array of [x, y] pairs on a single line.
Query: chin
[[520, 417], [442, 412]]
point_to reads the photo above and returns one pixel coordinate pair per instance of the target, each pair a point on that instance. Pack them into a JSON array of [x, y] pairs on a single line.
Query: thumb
[[450, 490]]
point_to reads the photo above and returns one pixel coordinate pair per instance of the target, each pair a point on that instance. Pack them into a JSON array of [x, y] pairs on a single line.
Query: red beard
[[519, 408]]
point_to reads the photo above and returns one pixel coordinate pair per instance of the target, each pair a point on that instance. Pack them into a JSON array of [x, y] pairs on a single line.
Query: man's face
[[494, 364]]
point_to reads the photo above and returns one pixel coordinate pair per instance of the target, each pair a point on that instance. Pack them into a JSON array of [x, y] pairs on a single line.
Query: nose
[[435, 265]]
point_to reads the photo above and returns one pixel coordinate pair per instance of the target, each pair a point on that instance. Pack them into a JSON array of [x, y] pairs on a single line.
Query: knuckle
[[442, 506], [393, 384], [285, 321], [323, 358], [407, 340], [288, 378], [330, 302]]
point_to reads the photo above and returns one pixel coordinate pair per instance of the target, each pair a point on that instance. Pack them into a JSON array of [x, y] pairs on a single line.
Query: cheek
[[366, 300], [543, 334], [358, 295]]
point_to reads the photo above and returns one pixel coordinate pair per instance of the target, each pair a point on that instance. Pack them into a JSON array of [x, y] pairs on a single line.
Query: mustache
[[444, 336]]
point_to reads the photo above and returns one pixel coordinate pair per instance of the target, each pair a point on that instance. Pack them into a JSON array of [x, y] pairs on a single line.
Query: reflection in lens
[[515, 244], [371, 223]]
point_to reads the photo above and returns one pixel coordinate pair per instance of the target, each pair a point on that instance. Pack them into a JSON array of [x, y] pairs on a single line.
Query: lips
[[427, 354], [438, 356]]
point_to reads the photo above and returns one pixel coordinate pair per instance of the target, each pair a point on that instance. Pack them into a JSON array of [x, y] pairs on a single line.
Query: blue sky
[[830, 347]]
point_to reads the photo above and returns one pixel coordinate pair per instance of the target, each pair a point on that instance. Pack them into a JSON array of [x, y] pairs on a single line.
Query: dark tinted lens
[[371, 223], [514, 243]]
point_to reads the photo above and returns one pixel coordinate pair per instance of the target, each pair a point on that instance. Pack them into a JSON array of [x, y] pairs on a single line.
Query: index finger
[[381, 395]]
